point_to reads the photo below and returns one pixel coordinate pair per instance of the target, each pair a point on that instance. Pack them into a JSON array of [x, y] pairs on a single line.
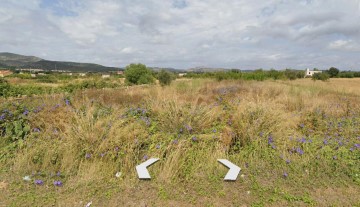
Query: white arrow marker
[[141, 170], [233, 172]]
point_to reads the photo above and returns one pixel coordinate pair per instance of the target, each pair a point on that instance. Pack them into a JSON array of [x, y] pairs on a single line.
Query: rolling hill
[[8, 60]]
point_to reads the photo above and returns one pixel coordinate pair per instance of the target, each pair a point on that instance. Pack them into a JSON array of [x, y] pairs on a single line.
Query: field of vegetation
[[297, 143]]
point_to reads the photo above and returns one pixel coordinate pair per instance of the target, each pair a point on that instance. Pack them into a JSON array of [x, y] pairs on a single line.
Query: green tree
[[165, 77], [138, 74], [333, 72]]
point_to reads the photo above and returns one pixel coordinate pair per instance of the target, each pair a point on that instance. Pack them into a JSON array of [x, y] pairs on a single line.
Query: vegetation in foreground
[[297, 142]]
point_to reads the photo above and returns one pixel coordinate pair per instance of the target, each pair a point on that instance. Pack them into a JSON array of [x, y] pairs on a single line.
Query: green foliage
[[333, 72], [320, 76], [4, 87], [165, 77], [87, 84], [290, 74], [14, 124], [259, 75], [136, 74], [346, 74]]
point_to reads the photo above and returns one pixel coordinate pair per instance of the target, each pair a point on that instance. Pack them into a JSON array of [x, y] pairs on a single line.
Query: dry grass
[[188, 126]]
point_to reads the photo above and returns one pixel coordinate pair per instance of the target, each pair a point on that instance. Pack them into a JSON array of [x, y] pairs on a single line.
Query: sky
[[243, 34]]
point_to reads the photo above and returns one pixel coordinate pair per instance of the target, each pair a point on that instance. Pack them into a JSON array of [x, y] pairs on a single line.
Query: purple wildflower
[[299, 151], [334, 158], [158, 146], [288, 161], [325, 142], [145, 157], [36, 130], [270, 139], [39, 182], [58, 183], [261, 134], [303, 140], [102, 154], [116, 149], [285, 175], [58, 174], [175, 141], [357, 145], [88, 156], [302, 125], [214, 130], [67, 102], [26, 112], [189, 128], [194, 139], [2, 117]]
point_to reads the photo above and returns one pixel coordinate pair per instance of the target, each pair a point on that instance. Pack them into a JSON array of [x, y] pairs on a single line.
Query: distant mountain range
[[11, 60], [16, 61]]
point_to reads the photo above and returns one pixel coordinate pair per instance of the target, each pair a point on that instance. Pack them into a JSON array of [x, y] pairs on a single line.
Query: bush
[[291, 74], [346, 74], [165, 77], [4, 87], [138, 74], [321, 76]]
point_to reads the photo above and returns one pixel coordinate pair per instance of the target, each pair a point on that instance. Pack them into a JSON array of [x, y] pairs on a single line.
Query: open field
[[297, 143]]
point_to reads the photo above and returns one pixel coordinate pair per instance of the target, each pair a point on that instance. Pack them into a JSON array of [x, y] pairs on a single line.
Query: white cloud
[[346, 45], [186, 33]]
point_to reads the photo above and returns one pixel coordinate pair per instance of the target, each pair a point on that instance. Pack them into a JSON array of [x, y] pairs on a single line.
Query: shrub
[[321, 76], [138, 74], [4, 87], [346, 74], [165, 77], [290, 74]]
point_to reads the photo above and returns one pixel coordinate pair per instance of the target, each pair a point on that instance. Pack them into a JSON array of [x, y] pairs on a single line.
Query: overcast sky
[[245, 34]]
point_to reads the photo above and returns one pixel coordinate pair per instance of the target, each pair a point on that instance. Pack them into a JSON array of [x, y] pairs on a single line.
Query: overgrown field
[[297, 143]]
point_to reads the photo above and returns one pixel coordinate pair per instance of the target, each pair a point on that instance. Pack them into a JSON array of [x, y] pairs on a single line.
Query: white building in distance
[[311, 72]]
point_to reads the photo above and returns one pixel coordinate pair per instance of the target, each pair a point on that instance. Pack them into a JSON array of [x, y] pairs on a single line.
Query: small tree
[[333, 72], [165, 77], [138, 74]]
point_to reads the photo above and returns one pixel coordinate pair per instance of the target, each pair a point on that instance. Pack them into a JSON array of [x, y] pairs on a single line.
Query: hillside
[[22, 62]]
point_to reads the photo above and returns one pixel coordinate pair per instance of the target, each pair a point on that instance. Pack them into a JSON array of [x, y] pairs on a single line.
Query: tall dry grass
[[189, 125]]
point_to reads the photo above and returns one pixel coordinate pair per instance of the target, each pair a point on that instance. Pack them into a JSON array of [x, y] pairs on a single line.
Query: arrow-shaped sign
[[233, 172], [141, 170]]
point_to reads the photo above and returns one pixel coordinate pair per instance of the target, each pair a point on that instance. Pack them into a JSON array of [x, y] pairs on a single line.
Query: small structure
[[4, 73], [120, 72], [82, 74], [33, 75], [311, 72], [182, 74]]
